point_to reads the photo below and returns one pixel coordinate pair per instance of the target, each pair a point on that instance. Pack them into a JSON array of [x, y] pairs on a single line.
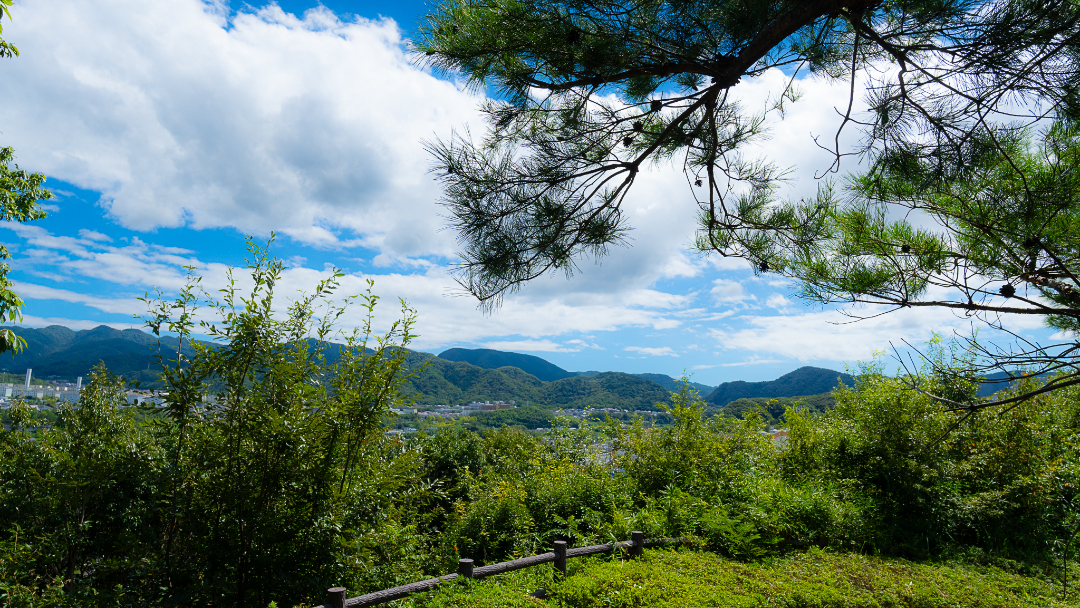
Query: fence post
[[560, 556], [465, 567], [335, 597], [638, 548]]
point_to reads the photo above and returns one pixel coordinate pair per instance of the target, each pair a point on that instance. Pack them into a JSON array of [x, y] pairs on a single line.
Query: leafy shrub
[[494, 523]]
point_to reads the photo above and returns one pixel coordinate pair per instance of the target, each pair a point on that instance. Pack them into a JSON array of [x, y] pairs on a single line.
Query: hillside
[[772, 408], [56, 352], [545, 370], [447, 381], [803, 381], [495, 359], [60, 353]]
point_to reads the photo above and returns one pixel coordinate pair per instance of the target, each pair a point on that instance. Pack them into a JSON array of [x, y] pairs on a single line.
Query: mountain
[[440, 380], [803, 381], [456, 376], [495, 359], [671, 384], [62, 353], [543, 369]]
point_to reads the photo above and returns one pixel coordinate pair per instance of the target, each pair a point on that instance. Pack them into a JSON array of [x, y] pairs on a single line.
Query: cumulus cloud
[[830, 335], [184, 116], [127, 306], [779, 302], [444, 316], [725, 291]]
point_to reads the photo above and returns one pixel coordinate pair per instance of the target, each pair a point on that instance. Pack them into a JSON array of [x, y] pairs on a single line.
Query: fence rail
[[335, 596]]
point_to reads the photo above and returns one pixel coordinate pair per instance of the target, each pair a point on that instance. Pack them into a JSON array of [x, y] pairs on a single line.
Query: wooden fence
[[335, 596]]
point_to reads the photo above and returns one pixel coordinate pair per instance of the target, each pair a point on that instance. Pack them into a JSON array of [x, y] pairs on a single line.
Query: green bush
[[242, 491], [925, 479]]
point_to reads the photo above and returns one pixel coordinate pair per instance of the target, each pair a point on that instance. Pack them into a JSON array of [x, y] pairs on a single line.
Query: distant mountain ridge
[[442, 380], [452, 377], [59, 352], [544, 369], [494, 359], [801, 382]]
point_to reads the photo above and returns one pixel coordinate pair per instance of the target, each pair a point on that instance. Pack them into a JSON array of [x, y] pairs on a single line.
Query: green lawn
[[808, 580]]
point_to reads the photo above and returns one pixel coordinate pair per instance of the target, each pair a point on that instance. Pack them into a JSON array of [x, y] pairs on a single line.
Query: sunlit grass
[[815, 579]]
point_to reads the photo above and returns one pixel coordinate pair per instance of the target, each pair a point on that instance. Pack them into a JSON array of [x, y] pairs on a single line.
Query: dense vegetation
[[267, 478], [106, 512], [773, 411]]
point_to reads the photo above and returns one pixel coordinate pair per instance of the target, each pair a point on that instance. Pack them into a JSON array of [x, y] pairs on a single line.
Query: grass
[[815, 579]]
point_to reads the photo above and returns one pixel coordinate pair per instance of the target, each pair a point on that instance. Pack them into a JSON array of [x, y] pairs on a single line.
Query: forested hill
[[446, 381], [803, 381], [544, 369], [494, 359], [62, 353]]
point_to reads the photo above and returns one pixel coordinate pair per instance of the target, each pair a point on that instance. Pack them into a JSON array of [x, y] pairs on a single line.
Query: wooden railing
[[335, 596]]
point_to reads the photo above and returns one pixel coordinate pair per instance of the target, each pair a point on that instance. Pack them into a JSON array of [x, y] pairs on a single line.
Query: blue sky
[[170, 130]]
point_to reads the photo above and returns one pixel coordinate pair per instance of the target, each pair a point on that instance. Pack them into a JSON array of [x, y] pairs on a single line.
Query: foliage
[[773, 410], [279, 485], [245, 490], [20, 193], [958, 209], [1003, 482], [6, 48], [986, 229], [622, 84], [528, 417]]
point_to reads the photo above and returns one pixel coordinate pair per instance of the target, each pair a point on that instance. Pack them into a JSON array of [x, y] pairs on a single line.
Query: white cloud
[[830, 335], [584, 344], [263, 121], [444, 316], [136, 263], [543, 346], [128, 306], [663, 351], [94, 235], [752, 360], [725, 291], [312, 126], [778, 302]]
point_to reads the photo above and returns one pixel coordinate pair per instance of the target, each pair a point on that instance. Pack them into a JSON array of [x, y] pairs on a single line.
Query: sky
[[170, 131]]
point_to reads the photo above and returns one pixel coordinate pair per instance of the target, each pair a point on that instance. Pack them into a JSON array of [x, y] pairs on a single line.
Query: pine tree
[[961, 92]]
